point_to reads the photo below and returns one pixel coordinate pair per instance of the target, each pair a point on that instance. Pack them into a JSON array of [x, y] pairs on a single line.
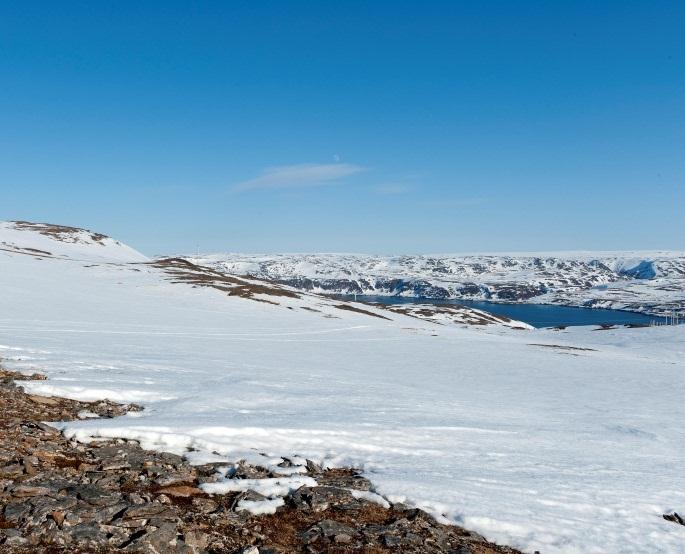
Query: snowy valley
[[481, 421]]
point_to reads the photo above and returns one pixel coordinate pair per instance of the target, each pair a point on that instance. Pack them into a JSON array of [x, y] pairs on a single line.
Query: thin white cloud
[[301, 175]]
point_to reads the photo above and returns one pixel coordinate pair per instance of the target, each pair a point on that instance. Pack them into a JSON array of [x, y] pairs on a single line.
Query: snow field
[[547, 449]]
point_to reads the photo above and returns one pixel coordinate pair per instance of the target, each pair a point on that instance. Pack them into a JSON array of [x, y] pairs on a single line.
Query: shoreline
[[533, 302]]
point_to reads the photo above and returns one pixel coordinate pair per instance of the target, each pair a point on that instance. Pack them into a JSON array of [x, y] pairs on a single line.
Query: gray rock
[[11, 471], [205, 505], [172, 478], [345, 481], [163, 540], [342, 538], [249, 495], [88, 533], [93, 495], [116, 535], [14, 539], [81, 512], [330, 529], [145, 510], [168, 458], [108, 513], [391, 541], [17, 511], [321, 498], [245, 471], [116, 464], [132, 524], [196, 540], [313, 467], [24, 491]]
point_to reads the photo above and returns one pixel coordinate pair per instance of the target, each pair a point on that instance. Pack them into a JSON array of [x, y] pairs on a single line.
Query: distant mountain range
[[649, 282], [88, 252]]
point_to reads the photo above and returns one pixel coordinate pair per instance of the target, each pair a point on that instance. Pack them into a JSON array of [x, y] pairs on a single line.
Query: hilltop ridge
[[61, 241]]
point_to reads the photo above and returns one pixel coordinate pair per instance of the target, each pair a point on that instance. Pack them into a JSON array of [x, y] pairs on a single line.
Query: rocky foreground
[[58, 495]]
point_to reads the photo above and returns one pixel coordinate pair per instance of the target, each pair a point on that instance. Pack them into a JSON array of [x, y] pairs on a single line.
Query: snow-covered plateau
[[558, 441], [649, 282]]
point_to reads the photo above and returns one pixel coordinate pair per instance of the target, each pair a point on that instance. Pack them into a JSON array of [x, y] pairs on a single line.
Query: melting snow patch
[[85, 414], [371, 497], [260, 507], [279, 486], [86, 394]]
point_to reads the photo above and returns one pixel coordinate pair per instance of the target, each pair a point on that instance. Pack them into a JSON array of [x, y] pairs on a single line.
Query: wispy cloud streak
[[301, 175]]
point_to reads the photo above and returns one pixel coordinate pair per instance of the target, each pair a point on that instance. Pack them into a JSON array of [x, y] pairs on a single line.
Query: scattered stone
[[321, 498], [313, 467], [205, 505], [675, 518], [23, 491], [58, 517], [88, 534], [48, 401]]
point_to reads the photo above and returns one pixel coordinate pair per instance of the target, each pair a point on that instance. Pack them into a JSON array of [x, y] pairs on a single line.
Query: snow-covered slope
[[651, 282], [48, 240], [565, 441]]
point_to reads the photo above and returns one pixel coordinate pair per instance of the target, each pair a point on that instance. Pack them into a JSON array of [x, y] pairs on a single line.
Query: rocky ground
[[59, 496]]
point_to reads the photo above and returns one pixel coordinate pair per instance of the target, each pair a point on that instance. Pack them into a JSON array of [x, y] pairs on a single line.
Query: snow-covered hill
[[650, 282], [48, 240], [561, 441]]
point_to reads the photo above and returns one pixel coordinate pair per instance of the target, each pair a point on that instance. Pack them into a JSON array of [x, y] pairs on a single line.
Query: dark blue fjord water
[[537, 315]]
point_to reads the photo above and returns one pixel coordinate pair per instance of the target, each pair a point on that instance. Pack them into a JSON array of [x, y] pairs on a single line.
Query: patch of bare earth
[[562, 347], [184, 271], [61, 233], [350, 308], [439, 313], [13, 248], [59, 496]]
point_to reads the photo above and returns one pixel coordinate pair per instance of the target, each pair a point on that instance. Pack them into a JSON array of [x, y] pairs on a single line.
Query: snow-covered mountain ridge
[[650, 282]]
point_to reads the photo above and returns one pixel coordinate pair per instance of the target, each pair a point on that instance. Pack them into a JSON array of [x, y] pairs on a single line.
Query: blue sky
[[384, 127]]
